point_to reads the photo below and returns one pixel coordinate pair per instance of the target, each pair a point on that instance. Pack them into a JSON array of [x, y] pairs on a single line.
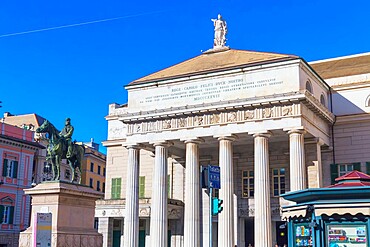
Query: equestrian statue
[[61, 147]]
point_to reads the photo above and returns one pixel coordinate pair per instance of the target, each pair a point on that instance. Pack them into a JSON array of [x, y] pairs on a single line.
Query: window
[[116, 188], [6, 214], [104, 171], [91, 167], [322, 100], [91, 183], [278, 178], [141, 186], [337, 170], [103, 187], [67, 174], [98, 185], [344, 169], [10, 168], [99, 170], [248, 184], [309, 87]]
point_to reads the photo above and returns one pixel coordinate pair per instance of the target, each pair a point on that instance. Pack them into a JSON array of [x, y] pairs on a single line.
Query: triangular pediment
[[214, 61], [6, 200]]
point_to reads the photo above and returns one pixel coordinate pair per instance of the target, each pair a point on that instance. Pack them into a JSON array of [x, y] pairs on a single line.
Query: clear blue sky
[[85, 67]]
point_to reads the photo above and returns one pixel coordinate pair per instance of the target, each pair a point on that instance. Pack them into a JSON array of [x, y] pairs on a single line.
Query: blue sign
[[214, 177]]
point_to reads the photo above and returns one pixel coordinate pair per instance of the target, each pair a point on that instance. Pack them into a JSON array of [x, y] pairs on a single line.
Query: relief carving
[[231, 117], [25, 240], [84, 242], [198, 120], [174, 213], [215, 118], [166, 124], [116, 212], [144, 212], [248, 115], [267, 113], [287, 110], [181, 122]]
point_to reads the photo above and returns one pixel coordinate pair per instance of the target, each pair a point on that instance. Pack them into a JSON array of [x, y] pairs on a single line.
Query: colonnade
[[192, 218]]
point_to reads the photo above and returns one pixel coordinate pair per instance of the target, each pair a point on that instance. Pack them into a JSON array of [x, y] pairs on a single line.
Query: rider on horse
[[66, 134]]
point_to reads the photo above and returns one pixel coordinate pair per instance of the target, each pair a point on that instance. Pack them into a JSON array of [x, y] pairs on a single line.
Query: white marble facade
[[250, 118]]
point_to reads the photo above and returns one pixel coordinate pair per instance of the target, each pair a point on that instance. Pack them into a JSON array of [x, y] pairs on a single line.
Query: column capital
[[132, 145], [228, 137], [296, 130], [162, 143], [262, 133], [196, 140]]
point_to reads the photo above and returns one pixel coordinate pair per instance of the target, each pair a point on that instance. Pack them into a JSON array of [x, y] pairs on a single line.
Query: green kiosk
[[335, 216]]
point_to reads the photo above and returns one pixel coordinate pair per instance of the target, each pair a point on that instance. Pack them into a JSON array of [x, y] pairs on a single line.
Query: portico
[[257, 110]]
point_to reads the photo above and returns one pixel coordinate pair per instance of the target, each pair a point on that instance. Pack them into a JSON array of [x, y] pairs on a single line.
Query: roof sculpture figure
[[220, 32]]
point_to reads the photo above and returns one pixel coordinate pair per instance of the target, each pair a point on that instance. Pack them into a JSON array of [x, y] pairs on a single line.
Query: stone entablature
[[277, 107], [116, 208]]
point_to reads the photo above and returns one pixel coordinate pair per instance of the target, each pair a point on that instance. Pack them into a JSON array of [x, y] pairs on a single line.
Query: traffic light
[[216, 206]]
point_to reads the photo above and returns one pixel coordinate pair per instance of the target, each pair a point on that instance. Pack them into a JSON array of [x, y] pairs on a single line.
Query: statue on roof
[[220, 32]]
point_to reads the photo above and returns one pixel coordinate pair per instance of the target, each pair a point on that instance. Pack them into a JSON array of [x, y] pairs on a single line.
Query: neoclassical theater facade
[[267, 120]]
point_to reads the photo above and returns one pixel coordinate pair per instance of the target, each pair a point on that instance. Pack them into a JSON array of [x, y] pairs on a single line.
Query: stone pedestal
[[72, 207]]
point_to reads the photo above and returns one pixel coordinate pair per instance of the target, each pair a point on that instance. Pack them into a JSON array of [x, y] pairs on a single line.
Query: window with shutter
[[333, 172], [6, 215], [10, 168], [368, 168], [116, 188], [5, 167], [141, 186], [11, 214], [338, 170], [15, 169], [1, 213]]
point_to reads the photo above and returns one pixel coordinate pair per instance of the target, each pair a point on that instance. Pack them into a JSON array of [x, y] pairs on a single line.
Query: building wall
[[88, 172], [350, 141], [22, 151]]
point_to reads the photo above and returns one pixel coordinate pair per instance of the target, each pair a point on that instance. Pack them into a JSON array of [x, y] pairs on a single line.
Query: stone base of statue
[[72, 209]]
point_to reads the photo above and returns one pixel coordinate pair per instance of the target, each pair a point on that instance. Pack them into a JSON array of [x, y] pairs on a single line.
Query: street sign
[[42, 230], [214, 177]]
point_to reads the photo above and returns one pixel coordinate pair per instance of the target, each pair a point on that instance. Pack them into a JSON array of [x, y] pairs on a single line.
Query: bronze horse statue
[[57, 150]]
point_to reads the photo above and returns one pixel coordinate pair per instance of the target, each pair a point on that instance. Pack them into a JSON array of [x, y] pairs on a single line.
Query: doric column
[[226, 217], [131, 228], [158, 212], [262, 209], [297, 160], [192, 194]]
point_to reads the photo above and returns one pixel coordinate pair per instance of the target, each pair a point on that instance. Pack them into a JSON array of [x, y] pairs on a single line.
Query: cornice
[[33, 147]]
